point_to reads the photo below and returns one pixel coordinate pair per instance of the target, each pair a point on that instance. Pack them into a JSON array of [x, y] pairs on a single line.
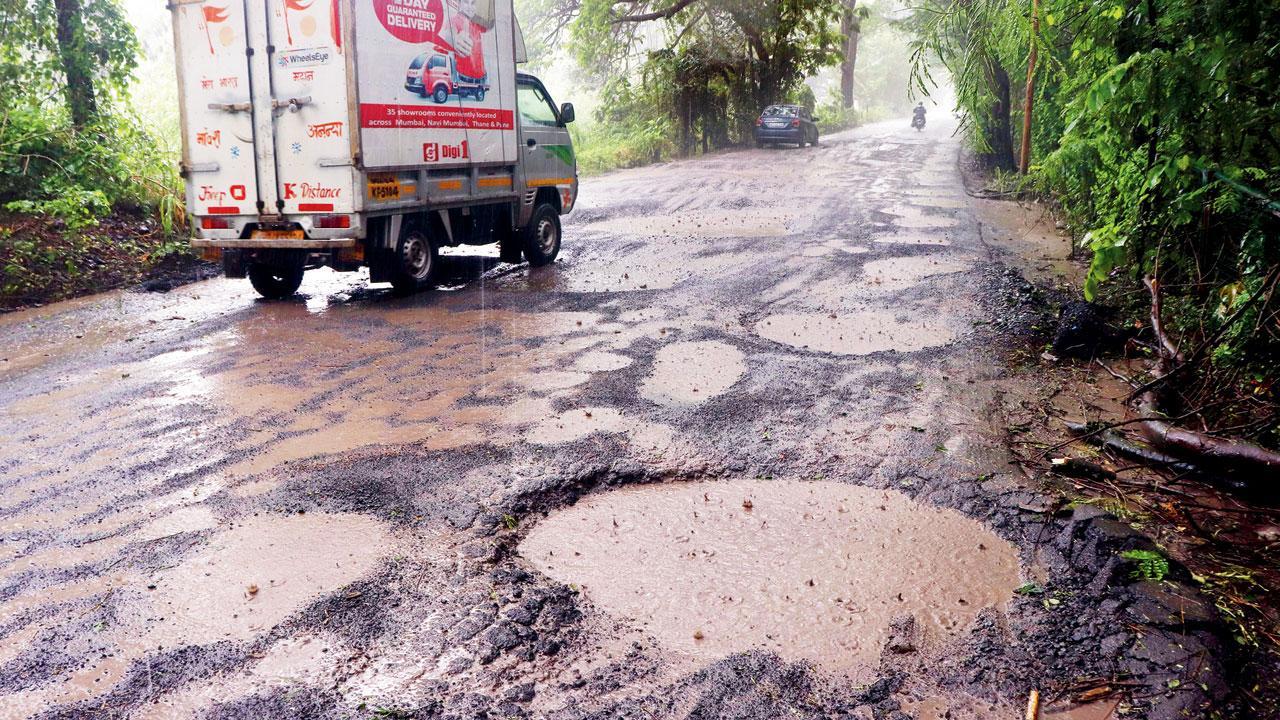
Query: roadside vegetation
[[1153, 128], [90, 198]]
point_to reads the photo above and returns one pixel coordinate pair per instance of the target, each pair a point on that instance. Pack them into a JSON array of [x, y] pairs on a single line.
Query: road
[[736, 454]]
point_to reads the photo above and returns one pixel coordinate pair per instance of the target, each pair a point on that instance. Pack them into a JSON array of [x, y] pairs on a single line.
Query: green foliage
[[78, 207], [1155, 128], [1150, 565], [49, 163]]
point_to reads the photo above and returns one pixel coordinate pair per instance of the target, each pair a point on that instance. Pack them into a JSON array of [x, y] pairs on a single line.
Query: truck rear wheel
[[416, 260], [274, 281], [542, 236]]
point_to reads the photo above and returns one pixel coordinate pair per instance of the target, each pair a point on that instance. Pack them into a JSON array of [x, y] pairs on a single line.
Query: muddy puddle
[[245, 580], [914, 238], [833, 246], [691, 373], [1032, 241], [858, 333], [912, 216], [896, 273], [811, 570]]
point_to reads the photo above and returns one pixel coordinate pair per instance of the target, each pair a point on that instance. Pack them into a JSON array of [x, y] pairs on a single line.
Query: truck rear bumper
[[277, 243]]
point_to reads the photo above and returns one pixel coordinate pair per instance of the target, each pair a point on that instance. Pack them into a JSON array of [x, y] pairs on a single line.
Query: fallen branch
[[1112, 440], [1231, 453]]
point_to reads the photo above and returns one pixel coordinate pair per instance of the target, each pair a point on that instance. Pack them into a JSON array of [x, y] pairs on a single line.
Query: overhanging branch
[[656, 14]]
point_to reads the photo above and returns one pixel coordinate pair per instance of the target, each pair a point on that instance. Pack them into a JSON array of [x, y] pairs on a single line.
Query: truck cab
[[303, 146]]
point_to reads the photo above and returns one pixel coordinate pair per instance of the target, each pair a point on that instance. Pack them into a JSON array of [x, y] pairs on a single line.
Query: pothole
[[816, 571], [860, 333], [690, 373], [914, 238], [896, 273], [831, 247], [254, 575], [246, 580], [601, 361], [911, 216]]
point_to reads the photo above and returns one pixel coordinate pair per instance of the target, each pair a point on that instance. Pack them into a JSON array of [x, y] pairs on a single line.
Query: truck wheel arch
[[549, 196]]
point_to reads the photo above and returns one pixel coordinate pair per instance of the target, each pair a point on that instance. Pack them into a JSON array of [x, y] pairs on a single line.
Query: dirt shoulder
[[42, 260], [1210, 541]]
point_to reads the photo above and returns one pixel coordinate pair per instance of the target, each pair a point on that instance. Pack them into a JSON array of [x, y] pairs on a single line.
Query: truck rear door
[[211, 38], [311, 128]]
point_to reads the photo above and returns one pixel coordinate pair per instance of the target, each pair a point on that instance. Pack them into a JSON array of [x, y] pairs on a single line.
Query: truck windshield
[[535, 106]]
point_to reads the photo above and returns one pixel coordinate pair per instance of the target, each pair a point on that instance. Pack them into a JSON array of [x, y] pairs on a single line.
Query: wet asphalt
[[217, 506]]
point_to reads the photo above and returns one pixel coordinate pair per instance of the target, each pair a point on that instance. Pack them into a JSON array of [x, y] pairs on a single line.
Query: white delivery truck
[[365, 132]]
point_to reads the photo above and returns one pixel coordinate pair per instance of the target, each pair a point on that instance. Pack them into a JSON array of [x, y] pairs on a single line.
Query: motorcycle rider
[[918, 117]]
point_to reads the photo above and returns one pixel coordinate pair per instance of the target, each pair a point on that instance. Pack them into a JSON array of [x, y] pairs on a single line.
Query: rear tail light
[[795, 122], [333, 221], [214, 223], [759, 122]]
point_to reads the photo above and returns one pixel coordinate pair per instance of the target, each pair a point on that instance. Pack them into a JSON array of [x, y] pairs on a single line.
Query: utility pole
[[1025, 160]]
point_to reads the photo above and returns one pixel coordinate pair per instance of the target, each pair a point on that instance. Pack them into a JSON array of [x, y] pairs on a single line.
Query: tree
[[83, 50], [1158, 135], [851, 28], [77, 63], [724, 56], [965, 36]]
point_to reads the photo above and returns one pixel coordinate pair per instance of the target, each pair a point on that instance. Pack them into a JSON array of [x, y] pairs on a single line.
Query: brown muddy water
[[250, 576], [860, 333], [814, 571], [690, 373]]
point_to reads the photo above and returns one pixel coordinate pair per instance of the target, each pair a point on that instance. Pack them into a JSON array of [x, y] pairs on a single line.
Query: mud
[[862, 333], [372, 465], [811, 571], [692, 373]]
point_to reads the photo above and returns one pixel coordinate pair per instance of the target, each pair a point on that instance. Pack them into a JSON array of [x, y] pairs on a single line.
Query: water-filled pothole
[[691, 373], [860, 333], [816, 571]]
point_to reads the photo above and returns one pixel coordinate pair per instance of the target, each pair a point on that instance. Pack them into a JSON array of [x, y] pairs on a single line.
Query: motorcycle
[[918, 123]]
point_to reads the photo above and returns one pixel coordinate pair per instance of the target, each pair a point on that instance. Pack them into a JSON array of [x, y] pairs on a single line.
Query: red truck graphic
[[436, 75]]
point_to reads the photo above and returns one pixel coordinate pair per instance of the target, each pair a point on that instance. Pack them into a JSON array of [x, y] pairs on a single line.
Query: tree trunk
[[77, 63], [850, 28], [1024, 159], [1001, 139]]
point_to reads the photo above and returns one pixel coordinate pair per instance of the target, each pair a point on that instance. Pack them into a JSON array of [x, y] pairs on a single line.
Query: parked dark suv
[[786, 123]]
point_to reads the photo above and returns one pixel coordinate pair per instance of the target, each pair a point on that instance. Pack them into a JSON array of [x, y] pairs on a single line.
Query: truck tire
[[275, 282], [479, 96], [415, 262], [541, 237], [440, 95]]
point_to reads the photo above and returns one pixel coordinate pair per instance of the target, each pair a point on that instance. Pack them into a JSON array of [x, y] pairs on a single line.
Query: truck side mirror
[[566, 113]]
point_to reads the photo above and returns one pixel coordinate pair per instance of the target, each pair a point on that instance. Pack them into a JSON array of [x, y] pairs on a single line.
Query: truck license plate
[[277, 235]]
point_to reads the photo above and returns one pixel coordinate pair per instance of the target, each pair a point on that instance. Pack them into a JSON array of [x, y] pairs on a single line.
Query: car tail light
[[213, 223], [759, 122], [333, 221], [795, 122]]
